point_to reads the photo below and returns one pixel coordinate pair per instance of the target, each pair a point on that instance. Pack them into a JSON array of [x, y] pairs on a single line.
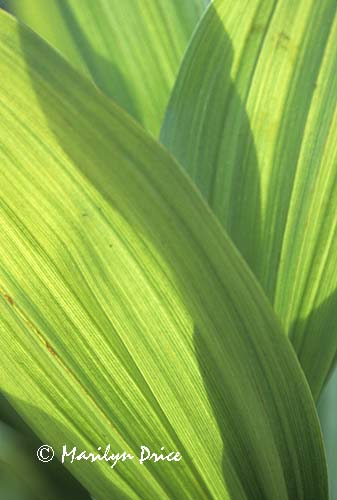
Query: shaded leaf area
[[23, 477], [327, 410], [266, 161], [131, 48], [127, 316], [19, 479]]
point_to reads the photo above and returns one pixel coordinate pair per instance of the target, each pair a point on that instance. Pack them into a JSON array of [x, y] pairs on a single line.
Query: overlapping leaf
[[22, 476], [255, 125], [127, 317], [327, 410], [131, 48]]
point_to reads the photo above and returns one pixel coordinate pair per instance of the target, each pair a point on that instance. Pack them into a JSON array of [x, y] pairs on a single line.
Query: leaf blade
[[266, 164], [131, 49], [126, 338]]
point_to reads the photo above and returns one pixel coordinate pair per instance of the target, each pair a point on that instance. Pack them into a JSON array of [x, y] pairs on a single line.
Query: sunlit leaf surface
[[126, 314], [253, 121], [131, 48]]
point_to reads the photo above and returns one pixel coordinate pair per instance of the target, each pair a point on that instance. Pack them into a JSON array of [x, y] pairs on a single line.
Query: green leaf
[[253, 121], [18, 446], [20, 476], [126, 314], [131, 48], [327, 410]]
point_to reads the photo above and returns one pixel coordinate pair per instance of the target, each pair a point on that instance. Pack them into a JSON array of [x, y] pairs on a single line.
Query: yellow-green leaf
[[253, 120], [126, 315], [131, 48]]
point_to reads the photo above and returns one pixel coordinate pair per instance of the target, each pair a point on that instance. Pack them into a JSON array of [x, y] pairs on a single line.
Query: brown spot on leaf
[[50, 349], [9, 299]]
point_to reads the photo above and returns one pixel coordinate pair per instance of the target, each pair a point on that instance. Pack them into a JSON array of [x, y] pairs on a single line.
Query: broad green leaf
[[126, 315], [22, 477], [131, 48], [327, 410], [253, 120]]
